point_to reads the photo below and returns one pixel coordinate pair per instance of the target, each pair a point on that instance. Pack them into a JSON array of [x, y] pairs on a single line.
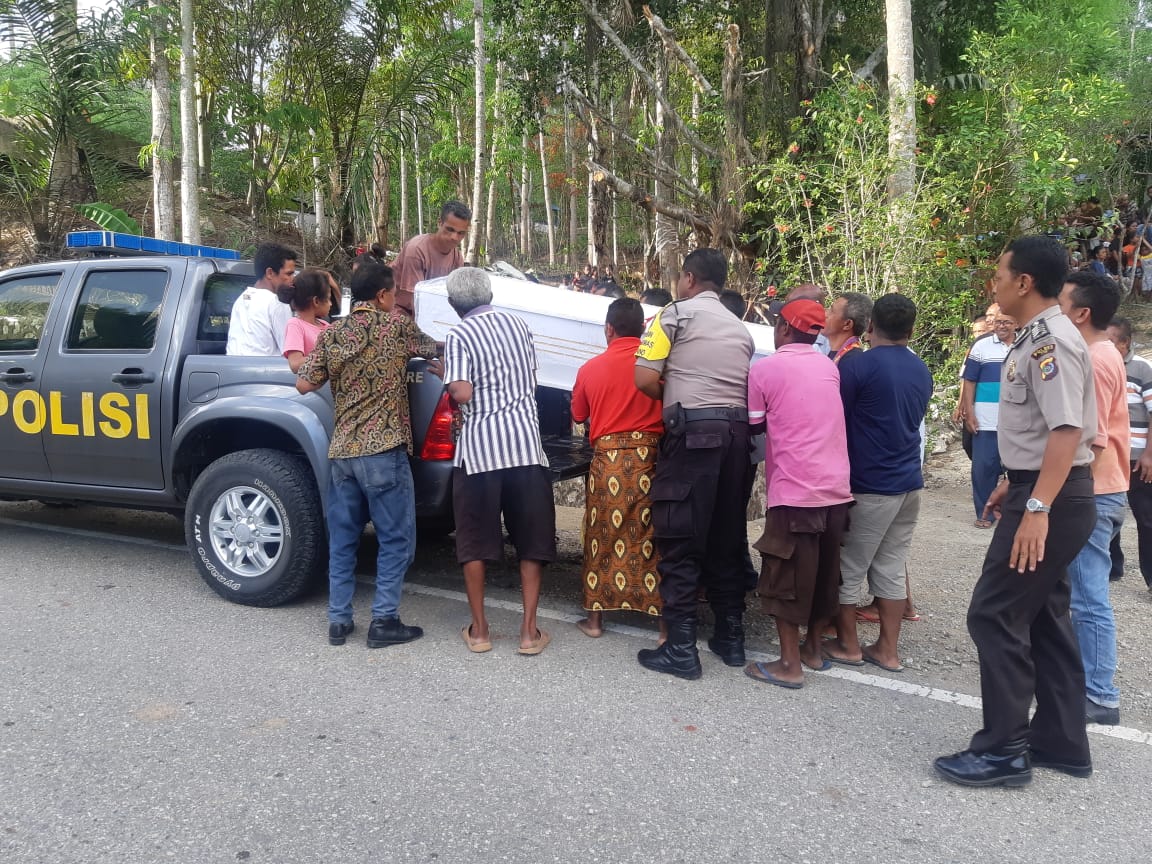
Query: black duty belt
[[1078, 472], [732, 413]]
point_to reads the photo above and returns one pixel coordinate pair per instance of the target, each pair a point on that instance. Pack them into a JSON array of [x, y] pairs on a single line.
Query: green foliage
[[823, 215], [110, 218]]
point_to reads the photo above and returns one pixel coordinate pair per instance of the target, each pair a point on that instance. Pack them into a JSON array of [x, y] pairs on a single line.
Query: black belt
[[1078, 472], [732, 413]]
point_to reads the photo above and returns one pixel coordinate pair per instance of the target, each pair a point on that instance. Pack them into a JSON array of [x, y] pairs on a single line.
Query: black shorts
[[523, 495]]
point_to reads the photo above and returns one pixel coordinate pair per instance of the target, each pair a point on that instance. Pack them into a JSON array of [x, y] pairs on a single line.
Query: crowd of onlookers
[[1116, 243], [1054, 402]]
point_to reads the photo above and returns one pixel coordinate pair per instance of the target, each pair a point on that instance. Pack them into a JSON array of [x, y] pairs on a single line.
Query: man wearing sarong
[[625, 427]]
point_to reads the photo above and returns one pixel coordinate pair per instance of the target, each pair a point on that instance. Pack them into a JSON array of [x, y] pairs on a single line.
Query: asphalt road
[[142, 719]]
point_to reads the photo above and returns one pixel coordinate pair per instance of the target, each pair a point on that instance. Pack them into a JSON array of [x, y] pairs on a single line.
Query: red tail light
[[440, 441]]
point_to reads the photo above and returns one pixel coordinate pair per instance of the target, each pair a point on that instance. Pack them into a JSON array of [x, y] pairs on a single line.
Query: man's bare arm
[[648, 382]]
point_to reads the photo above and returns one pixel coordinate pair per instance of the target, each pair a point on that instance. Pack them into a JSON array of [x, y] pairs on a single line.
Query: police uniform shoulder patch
[[1048, 369], [1040, 330], [1044, 349]]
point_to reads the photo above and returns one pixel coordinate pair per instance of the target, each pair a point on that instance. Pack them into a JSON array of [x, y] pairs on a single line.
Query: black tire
[[285, 485]]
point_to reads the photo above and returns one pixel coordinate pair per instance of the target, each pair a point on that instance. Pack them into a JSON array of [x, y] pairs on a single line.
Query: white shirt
[[258, 323], [493, 351]]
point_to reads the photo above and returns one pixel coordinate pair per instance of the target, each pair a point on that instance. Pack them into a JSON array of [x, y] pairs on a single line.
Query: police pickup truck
[[115, 390]]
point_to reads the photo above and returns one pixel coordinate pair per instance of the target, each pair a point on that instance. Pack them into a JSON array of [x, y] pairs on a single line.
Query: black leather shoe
[[1053, 763], [677, 656], [1101, 714], [391, 631], [727, 642], [969, 768], [338, 633]]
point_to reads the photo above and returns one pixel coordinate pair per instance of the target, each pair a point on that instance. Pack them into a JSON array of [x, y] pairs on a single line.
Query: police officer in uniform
[[695, 356], [1019, 616]]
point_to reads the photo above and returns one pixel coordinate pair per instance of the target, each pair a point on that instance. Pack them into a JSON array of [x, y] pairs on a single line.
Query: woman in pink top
[[311, 296]]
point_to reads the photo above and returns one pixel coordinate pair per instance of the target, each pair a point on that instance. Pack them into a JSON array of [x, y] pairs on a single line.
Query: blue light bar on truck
[[129, 244]]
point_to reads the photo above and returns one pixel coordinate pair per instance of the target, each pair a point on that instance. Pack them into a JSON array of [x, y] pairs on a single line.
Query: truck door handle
[[133, 377], [16, 376]]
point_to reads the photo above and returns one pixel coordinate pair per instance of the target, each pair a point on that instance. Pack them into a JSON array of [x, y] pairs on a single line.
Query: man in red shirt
[[625, 427]]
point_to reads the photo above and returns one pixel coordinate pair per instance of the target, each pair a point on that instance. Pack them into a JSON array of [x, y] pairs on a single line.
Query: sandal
[[476, 646], [538, 644]]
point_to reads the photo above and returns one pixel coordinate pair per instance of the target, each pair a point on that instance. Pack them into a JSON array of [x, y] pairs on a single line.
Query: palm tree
[[59, 163]]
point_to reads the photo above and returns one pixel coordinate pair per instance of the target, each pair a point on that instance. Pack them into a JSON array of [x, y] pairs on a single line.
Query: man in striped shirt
[[1139, 390], [980, 407], [500, 466]]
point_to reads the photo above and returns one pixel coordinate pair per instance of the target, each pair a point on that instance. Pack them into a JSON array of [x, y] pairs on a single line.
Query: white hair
[[468, 288]]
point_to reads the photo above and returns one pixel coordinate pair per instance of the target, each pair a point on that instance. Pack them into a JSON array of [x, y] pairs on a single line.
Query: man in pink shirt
[[429, 256], [795, 396], [1090, 300]]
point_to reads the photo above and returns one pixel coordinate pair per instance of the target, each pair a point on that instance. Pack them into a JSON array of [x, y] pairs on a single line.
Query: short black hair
[[272, 256], [455, 208], [1096, 293], [858, 310], [733, 301], [370, 280], [626, 317], [1042, 258], [1124, 326], [310, 285], [374, 255], [656, 297], [894, 316], [707, 265], [613, 290]]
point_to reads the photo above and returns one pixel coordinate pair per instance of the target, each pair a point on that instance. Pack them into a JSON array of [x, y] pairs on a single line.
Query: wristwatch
[[1035, 505]]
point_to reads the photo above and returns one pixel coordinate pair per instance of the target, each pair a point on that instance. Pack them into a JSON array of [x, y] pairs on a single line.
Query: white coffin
[[567, 326]]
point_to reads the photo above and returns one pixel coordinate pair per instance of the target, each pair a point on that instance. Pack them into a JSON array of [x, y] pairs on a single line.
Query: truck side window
[[118, 310], [220, 293], [24, 303]]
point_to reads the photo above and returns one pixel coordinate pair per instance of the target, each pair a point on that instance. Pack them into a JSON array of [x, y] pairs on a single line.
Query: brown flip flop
[[538, 644], [584, 627], [476, 646]]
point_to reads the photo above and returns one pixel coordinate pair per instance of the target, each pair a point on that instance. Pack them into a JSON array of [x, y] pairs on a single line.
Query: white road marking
[[98, 535], [1124, 733]]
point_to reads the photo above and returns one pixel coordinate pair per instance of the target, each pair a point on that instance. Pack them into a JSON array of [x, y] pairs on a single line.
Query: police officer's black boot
[[727, 640], [678, 655]]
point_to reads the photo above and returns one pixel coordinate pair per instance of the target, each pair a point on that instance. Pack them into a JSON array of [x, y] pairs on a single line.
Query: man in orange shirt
[[1090, 301], [625, 427]]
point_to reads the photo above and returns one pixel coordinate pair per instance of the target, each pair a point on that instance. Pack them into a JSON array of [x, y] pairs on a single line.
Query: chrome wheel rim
[[246, 531]]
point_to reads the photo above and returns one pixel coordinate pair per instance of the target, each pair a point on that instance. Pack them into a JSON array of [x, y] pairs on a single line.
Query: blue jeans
[[985, 469], [379, 488], [1092, 607]]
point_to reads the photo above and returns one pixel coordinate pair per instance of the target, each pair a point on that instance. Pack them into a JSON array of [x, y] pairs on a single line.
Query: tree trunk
[[190, 139], [570, 189], [667, 234], [901, 100], [205, 104], [525, 202], [461, 167], [382, 186], [547, 199], [419, 188], [403, 238], [319, 204], [163, 143], [480, 163], [490, 216]]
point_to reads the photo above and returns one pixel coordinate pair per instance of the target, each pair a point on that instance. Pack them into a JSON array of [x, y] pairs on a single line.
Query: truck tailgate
[[568, 456]]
